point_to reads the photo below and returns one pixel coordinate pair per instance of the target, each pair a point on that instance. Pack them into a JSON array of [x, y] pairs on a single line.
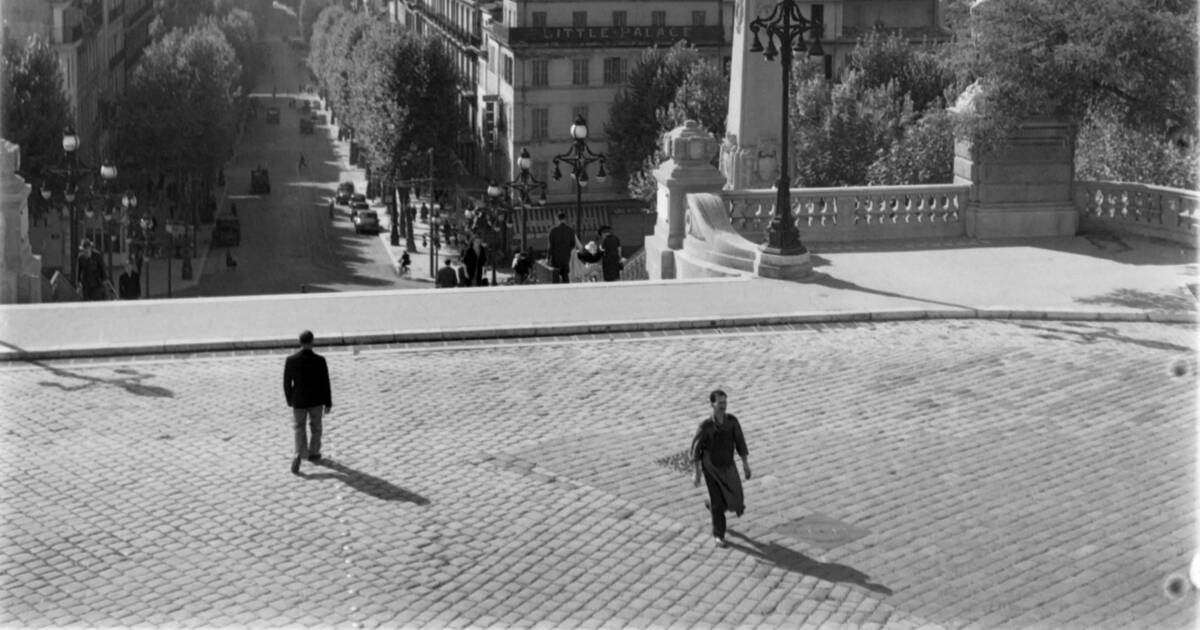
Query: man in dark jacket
[[90, 272], [129, 284], [561, 242], [306, 387], [447, 276]]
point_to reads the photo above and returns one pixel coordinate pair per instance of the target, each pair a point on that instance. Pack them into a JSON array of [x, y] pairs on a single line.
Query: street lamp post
[[787, 25], [525, 183], [72, 171], [579, 156]]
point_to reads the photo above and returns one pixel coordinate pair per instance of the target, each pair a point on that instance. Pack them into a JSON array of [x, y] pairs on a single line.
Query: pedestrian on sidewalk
[[613, 262], [90, 273], [129, 285], [306, 387], [716, 440], [475, 261], [464, 279], [561, 242], [303, 162], [447, 276]]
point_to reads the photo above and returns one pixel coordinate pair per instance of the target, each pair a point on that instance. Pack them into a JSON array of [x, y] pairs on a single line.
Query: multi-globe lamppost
[[579, 156], [523, 184], [71, 172], [787, 26]]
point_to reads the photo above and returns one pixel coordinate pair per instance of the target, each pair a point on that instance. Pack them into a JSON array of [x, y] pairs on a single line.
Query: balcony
[[608, 36]]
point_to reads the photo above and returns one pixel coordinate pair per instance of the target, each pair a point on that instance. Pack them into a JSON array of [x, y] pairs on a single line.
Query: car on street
[[273, 115], [345, 190], [306, 126], [227, 231], [358, 203], [366, 220]]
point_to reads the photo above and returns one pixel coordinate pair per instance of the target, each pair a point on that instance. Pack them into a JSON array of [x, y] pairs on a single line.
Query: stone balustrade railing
[[635, 266], [861, 213], [1151, 211]]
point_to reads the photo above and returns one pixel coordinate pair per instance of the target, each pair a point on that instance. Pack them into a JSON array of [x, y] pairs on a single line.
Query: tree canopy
[[35, 108]]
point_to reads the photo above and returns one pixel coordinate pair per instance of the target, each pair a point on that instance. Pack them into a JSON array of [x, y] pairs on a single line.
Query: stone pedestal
[[750, 150], [1024, 188], [687, 170], [20, 270]]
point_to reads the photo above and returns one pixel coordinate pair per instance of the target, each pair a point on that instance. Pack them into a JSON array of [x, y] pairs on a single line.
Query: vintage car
[[227, 231], [366, 221], [273, 115], [344, 191], [358, 202], [260, 181], [306, 126]]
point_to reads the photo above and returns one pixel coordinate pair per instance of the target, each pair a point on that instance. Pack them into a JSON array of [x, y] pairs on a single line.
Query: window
[[698, 18], [539, 124], [539, 18], [614, 70], [818, 13], [579, 72], [658, 18], [508, 69], [619, 18], [540, 72], [579, 19]]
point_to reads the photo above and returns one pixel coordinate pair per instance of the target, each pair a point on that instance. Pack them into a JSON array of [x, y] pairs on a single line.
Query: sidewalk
[[1067, 278]]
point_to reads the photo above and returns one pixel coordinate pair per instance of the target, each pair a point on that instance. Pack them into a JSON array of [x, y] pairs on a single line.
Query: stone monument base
[[793, 267], [1021, 220]]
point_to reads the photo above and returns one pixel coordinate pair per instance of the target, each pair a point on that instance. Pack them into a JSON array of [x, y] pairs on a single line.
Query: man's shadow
[[366, 484], [795, 561]]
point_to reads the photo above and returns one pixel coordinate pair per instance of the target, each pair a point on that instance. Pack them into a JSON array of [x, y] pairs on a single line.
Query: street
[[1024, 474], [288, 242]]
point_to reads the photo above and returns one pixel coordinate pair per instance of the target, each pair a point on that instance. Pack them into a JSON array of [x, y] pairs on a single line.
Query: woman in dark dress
[[718, 437]]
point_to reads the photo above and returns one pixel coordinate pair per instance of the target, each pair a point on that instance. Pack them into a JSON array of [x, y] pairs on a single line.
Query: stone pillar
[[1023, 188], [20, 270], [687, 170], [750, 149]]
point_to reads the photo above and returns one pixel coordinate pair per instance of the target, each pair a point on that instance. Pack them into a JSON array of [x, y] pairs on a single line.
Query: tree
[[1134, 59], [309, 13], [923, 155], [36, 109], [1108, 149], [633, 126], [319, 53], [703, 96]]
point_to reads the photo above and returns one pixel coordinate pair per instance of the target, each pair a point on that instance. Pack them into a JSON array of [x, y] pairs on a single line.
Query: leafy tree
[[1108, 149], [633, 125], [309, 13], [35, 108], [918, 71], [1134, 59], [923, 155], [704, 97], [320, 55]]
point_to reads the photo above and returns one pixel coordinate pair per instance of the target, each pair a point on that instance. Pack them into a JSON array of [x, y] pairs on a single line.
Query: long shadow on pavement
[[131, 381], [797, 562], [826, 280], [366, 484]]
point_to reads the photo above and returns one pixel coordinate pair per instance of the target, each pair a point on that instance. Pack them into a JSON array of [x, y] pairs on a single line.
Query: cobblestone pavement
[[1006, 473]]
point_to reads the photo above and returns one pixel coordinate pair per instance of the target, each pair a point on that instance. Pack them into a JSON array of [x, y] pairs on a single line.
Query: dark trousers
[[716, 504], [561, 274]]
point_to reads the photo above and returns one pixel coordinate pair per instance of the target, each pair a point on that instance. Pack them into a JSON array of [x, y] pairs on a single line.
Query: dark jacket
[[129, 285], [447, 278], [561, 242], [306, 380], [475, 264]]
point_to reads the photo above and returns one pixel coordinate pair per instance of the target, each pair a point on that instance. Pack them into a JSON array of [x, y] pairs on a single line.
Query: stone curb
[[533, 331]]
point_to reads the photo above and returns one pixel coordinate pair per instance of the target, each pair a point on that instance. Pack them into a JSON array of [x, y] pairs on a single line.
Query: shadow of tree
[[130, 381], [1082, 333], [791, 560], [1135, 298], [367, 484]]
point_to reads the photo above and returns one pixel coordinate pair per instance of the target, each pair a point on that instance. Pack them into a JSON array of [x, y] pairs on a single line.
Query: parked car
[[358, 205], [227, 231], [273, 115], [306, 126], [366, 220], [345, 190]]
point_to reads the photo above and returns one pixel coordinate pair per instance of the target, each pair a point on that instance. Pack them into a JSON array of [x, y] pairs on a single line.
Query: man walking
[[306, 387], [562, 241], [718, 437], [447, 276], [129, 285], [90, 273]]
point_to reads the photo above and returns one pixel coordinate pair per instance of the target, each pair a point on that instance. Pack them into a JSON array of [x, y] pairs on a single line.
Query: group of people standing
[[92, 276], [562, 242]]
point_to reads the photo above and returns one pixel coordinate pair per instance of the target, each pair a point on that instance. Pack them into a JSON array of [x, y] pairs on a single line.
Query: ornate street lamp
[[787, 26], [579, 156]]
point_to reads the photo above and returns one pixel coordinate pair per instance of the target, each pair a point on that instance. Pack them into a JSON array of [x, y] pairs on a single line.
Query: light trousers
[[305, 418]]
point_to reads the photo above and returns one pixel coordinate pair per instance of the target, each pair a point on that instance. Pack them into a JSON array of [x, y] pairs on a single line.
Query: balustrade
[[855, 213], [1154, 211]]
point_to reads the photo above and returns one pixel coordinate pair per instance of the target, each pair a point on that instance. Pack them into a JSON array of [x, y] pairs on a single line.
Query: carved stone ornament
[[690, 144]]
